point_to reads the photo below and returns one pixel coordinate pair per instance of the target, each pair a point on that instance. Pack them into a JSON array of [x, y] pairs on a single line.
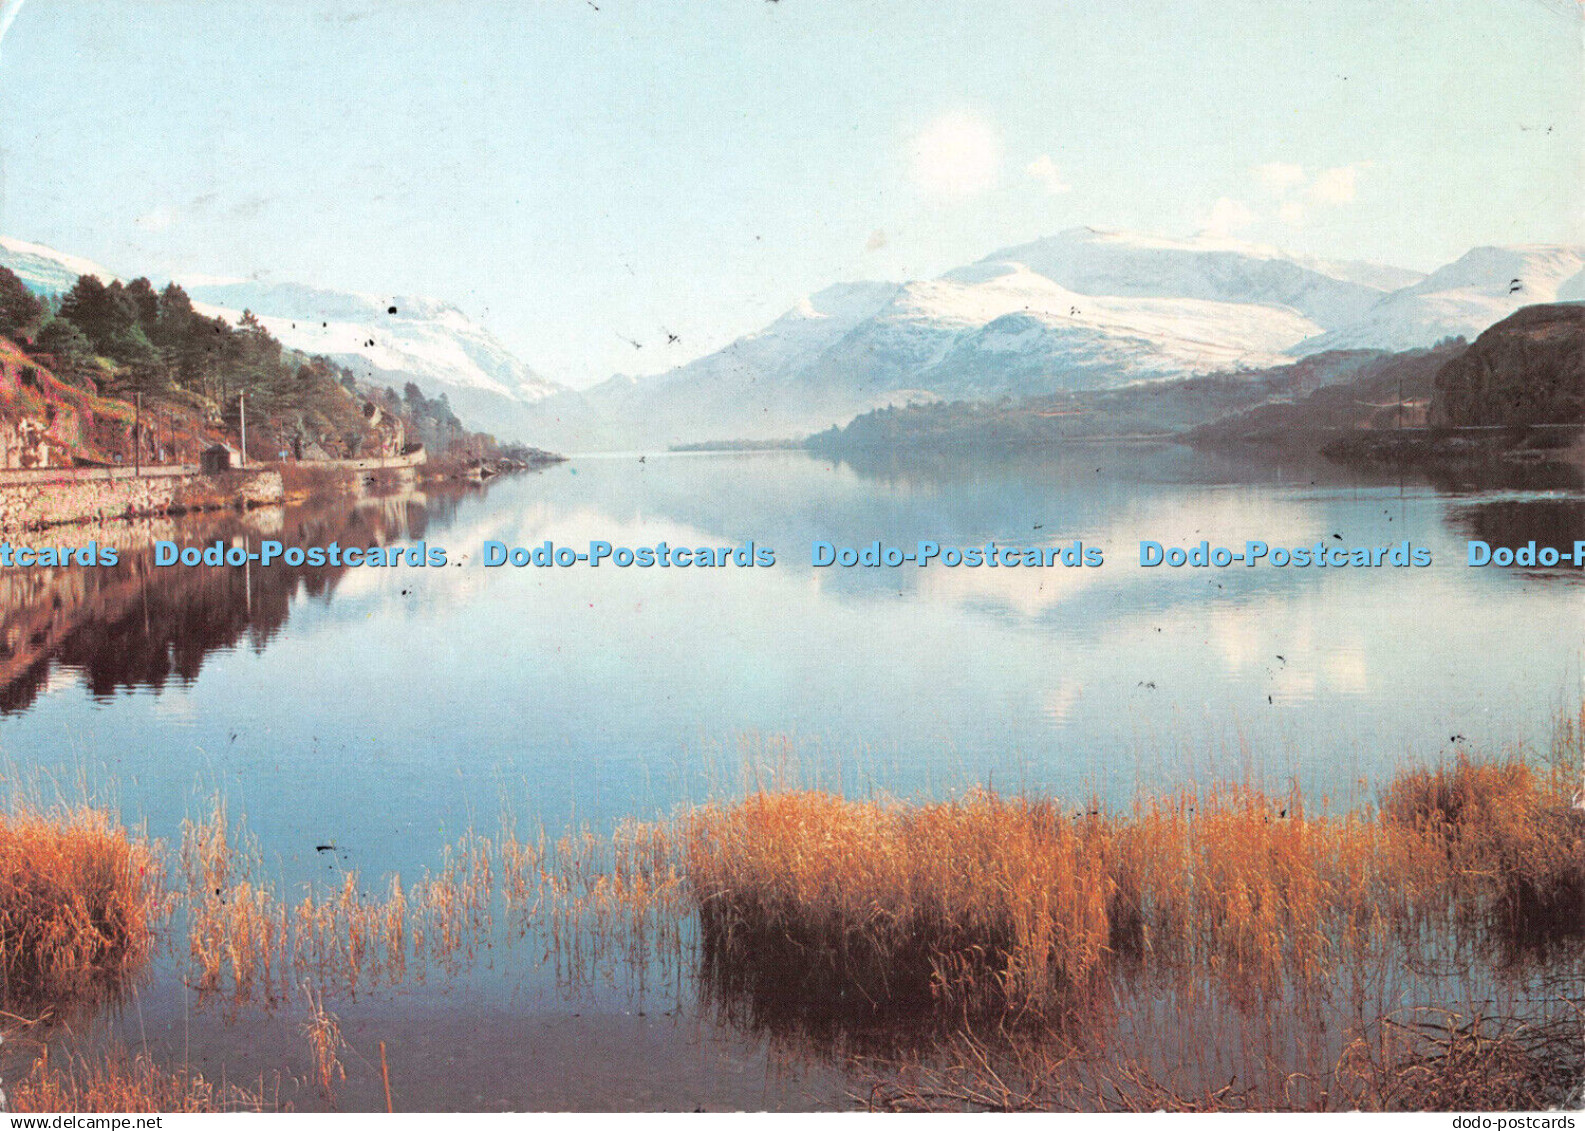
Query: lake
[[364, 718]]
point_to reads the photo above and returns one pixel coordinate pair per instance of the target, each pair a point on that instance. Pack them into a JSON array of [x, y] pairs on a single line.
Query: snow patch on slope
[[1467, 296], [427, 341], [1131, 264], [44, 270]]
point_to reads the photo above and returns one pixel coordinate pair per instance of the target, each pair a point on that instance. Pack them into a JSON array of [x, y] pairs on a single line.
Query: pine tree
[[145, 303], [19, 310], [61, 338], [102, 313]]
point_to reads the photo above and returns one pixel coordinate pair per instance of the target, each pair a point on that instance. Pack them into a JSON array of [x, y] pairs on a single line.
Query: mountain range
[[1084, 309]]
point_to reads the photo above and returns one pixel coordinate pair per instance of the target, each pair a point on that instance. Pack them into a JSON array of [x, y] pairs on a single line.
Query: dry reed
[[250, 942], [1504, 826], [995, 907], [602, 902], [79, 900], [122, 1083], [323, 1032]]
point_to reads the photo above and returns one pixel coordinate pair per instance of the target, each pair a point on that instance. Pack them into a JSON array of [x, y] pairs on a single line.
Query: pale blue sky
[[573, 177]]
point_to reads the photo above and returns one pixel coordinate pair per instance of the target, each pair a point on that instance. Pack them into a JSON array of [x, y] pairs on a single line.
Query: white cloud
[[1228, 216], [1335, 186], [1045, 170], [1297, 193], [1279, 176], [957, 155]]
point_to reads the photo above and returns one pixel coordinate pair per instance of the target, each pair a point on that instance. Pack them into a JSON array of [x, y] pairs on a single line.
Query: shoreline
[[48, 498], [40, 500]]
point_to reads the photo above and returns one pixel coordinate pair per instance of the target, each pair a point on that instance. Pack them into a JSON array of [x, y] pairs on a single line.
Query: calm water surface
[[384, 711]]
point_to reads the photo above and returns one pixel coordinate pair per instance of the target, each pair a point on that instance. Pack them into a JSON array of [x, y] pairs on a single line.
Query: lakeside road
[[33, 500]]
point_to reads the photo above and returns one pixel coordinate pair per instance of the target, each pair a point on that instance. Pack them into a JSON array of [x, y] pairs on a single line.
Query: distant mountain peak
[[1502, 271], [427, 341], [1463, 298], [1128, 264], [45, 270]]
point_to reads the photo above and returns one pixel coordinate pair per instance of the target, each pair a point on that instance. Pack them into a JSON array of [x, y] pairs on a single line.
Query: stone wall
[[50, 498]]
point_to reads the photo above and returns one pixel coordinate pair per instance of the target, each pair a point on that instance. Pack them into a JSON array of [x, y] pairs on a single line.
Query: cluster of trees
[[431, 418], [156, 342], [128, 338]]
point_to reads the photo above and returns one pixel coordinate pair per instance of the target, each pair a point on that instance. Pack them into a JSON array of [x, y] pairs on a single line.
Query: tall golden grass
[[248, 941], [992, 905], [119, 1082], [1508, 828], [995, 906], [79, 901], [984, 906]]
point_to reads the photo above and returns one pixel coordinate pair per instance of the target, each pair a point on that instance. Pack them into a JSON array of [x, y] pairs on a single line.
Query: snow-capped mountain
[[44, 270], [430, 343], [754, 387], [1083, 309], [1003, 326], [1135, 265], [1479, 289]]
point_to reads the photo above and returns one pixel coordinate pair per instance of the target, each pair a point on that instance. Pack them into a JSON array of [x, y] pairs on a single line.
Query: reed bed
[[79, 901], [987, 906], [615, 903], [251, 943], [1507, 829], [597, 903], [119, 1082], [982, 907], [1220, 950], [994, 907]]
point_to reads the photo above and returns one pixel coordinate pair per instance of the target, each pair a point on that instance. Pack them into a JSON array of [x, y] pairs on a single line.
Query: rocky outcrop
[[1528, 369]]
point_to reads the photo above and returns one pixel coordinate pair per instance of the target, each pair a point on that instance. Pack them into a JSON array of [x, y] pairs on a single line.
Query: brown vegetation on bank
[[1423, 1059]]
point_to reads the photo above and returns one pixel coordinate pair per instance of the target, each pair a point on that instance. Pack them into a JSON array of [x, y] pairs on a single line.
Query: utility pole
[[137, 437], [242, 458]]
